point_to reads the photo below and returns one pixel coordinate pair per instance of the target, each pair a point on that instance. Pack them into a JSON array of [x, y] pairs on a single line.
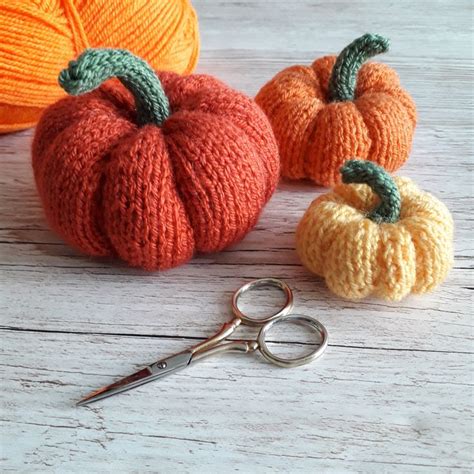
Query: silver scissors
[[214, 344]]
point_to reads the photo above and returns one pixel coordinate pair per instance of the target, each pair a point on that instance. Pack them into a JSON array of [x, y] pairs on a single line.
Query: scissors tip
[[103, 392], [122, 385], [86, 400], [145, 375]]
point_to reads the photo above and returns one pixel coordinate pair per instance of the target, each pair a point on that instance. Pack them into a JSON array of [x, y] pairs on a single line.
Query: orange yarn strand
[[79, 35]]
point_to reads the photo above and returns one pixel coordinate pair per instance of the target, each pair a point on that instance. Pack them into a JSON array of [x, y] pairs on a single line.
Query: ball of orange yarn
[[152, 168], [38, 38], [336, 108]]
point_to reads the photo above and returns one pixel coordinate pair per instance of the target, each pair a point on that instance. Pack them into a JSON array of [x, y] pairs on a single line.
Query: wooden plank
[[353, 410], [196, 301]]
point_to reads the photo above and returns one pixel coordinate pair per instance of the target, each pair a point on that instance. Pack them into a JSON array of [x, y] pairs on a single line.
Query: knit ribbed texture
[[154, 195], [342, 84], [95, 66], [38, 38], [381, 183], [316, 135], [339, 239]]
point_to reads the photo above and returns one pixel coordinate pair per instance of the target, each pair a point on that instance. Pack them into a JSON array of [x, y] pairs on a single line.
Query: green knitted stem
[[95, 66], [381, 183], [344, 73]]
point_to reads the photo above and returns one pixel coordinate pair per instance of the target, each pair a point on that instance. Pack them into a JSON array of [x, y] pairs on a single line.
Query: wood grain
[[393, 393]]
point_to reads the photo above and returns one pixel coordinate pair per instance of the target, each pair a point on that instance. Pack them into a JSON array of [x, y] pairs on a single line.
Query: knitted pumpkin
[[336, 108], [383, 236], [152, 167]]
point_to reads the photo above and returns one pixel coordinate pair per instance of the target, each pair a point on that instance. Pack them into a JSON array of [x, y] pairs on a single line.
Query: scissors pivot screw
[[162, 365]]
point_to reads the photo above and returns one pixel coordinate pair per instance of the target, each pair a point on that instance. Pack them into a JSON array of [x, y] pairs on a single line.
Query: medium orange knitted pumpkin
[[153, 168], [337, 108]]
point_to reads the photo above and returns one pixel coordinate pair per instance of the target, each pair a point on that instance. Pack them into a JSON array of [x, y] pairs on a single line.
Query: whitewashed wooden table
[[393, 392]]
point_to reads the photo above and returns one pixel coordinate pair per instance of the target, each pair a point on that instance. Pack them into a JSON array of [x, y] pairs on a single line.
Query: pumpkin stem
[[381, 183], [97, 65], [342, 83]]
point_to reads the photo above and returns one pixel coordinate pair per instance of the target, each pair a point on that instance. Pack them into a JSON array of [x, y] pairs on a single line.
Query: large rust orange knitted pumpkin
[[337, 108], [153, 166]]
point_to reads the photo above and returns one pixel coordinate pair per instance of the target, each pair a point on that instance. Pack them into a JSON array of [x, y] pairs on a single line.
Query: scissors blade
[[152, 372]]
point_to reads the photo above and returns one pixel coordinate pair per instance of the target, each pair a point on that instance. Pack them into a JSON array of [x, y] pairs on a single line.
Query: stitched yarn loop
[[95, 66], [385, 238], [381, 183], [337, 108], [38, 38], [342, 83], [153, 167]]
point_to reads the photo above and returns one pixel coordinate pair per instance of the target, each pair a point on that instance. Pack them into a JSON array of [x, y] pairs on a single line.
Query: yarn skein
[[151, 167], [336, 108], [38, 38], [376, 235]]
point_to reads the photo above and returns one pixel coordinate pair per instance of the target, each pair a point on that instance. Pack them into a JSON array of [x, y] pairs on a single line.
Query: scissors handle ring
[[261, 282], [296, 361]]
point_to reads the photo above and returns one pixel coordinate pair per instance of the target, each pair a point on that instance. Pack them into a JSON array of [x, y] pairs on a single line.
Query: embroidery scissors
[[215, 344]]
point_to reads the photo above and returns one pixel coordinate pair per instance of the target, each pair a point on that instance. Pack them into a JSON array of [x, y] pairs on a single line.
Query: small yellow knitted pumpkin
[[383, 236]]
